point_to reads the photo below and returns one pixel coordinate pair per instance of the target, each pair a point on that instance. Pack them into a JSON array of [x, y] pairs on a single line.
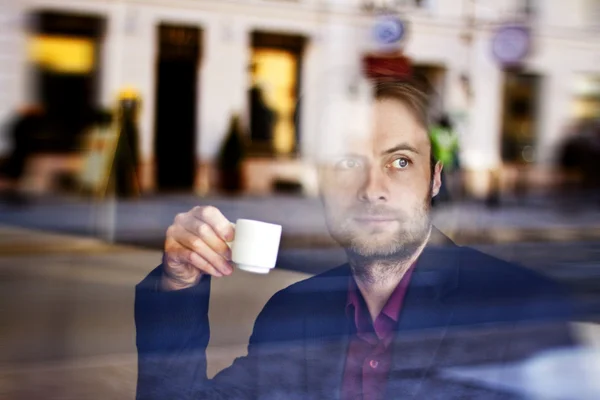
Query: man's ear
[[436, 182]]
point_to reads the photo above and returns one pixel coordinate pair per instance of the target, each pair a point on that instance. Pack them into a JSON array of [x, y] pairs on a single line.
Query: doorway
[[519, 117], [65, 51], [176, 105], [274, 93]]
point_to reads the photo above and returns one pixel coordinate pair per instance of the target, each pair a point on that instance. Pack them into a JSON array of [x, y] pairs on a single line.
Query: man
[[389, 324]]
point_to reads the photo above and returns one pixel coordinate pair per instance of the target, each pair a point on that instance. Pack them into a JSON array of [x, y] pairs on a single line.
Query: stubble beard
[[385, 248]]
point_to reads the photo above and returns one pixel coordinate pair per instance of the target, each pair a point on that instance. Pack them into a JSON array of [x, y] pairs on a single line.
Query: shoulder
[[487, 280], [499, 276]]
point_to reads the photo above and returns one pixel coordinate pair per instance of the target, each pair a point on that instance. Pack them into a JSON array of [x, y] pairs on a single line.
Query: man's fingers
[[200, 263], [183, 268], [196, 244], [210, 237], [187, 265], [213, 217]]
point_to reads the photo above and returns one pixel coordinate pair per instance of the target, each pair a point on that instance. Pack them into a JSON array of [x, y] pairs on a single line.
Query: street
[[68, 299], [70, 330]]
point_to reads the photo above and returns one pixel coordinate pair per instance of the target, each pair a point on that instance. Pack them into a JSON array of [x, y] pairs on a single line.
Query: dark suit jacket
[[462, 308]]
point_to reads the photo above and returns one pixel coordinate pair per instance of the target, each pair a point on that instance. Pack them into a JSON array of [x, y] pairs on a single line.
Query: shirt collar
[[356, 308], [394, 304]]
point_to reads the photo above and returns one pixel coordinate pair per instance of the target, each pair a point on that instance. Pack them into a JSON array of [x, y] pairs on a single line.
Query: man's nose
[[374, 186]]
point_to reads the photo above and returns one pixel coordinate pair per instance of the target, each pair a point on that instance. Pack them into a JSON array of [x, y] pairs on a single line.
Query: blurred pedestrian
[[262, 118], [231, 157], [126, 156], [23, 130], [445, 146], [579, 160]]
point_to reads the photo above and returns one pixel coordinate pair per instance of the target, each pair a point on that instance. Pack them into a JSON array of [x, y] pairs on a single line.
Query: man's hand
[[196, 244]]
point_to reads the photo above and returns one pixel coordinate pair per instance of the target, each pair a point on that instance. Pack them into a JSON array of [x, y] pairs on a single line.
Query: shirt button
[[373, 363]]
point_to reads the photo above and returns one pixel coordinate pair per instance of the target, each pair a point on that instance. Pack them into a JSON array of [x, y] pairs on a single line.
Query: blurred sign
[[179, 42], [386, 65], [101, 147], [389, 31], [101, 143], [511, 44]]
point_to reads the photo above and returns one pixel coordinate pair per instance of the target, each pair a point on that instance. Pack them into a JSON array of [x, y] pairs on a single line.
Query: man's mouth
[[370, 219]]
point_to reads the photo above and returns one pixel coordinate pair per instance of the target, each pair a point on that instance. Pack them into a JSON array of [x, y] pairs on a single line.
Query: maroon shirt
[[369, 355]]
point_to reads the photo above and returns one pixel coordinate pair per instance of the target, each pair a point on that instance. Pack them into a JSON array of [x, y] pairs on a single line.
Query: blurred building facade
[[197, 63]]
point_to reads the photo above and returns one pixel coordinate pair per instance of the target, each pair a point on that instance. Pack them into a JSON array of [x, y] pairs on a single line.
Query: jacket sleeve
[[172, 336], [172, 333]]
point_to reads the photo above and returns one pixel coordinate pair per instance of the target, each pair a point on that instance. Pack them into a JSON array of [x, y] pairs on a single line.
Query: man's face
[[377, 193]]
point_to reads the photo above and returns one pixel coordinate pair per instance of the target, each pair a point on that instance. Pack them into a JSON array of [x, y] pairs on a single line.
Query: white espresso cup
[[255, 246]]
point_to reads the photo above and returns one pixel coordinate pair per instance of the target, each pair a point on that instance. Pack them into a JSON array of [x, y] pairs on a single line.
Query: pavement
[[70, 331]]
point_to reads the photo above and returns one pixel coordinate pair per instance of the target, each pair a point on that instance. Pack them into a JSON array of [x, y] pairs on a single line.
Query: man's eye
[[400, 163], [347, 163]]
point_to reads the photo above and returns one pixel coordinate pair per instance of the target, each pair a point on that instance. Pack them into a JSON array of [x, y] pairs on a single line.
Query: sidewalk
[[70, 333]]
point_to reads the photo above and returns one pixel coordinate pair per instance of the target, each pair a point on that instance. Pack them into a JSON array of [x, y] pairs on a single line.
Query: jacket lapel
[[423, 320], [327, 337]]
